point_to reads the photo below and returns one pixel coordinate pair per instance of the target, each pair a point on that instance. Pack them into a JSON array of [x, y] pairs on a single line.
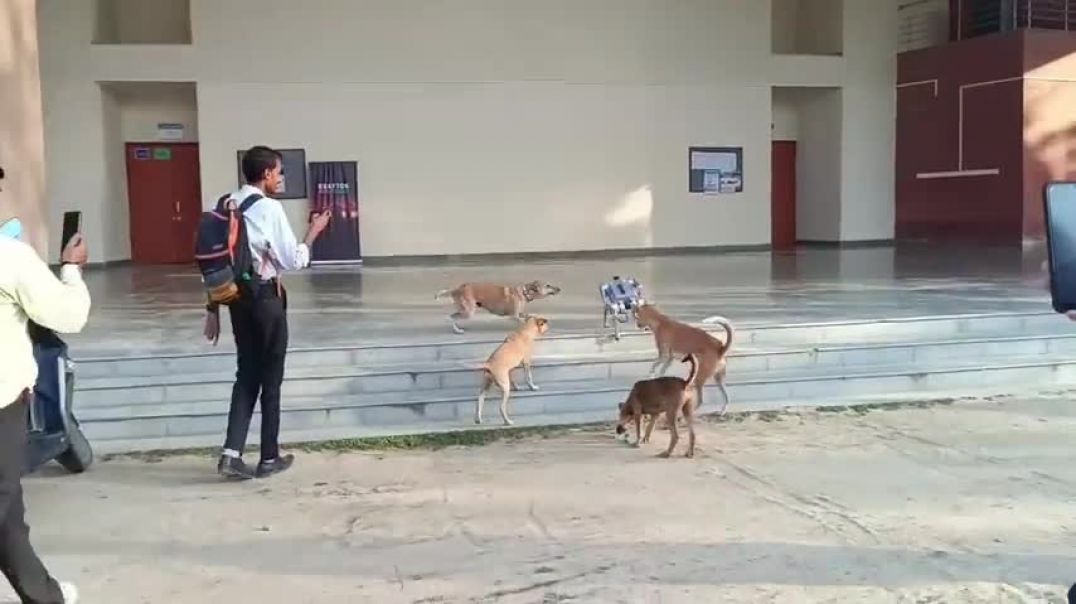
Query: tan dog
[[675, 338], [500, 300], [653, 397], [514, 351]]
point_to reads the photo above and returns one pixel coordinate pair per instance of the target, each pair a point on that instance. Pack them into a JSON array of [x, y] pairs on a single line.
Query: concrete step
[[748, 338], [330, 382], [125, 426]]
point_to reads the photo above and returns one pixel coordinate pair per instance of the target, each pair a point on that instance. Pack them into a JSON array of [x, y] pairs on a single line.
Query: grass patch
[[865, 408], [405, 442], [434, 441]]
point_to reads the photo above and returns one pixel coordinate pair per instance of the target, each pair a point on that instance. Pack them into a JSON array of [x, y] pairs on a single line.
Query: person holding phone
[[29, 291], [259, 317]]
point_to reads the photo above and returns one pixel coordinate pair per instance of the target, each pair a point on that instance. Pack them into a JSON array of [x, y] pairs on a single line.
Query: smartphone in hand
[[1060, 206], [72, 226]]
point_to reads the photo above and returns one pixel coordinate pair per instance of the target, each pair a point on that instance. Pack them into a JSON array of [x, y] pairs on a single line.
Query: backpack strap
[[222, 204], [249, 201]]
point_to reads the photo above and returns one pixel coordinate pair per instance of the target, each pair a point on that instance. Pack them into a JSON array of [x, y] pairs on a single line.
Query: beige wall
[[809, 27], [818, 166], [142, 21], [144, 105], [471, 117], [22, 136], [868, 121], [787, 106], [530, 109]]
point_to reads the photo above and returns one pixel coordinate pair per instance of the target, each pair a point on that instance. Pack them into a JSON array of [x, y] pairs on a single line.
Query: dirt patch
[[951, 502]]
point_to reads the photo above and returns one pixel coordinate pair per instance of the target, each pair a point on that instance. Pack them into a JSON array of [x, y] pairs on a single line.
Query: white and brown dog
[[674, 338], [516, 350], [500, 300]]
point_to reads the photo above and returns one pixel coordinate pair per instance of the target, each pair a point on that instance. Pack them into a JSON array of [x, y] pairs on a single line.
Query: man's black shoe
[[276, 466], [233, 468]]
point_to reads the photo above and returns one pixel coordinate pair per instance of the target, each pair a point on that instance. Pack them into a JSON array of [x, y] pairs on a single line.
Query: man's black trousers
[[18, 561], [260, 326]]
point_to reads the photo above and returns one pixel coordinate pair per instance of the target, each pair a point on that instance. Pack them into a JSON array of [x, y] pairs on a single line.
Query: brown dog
[[514, 351], [675, 338], [668, 395], [500, 300]]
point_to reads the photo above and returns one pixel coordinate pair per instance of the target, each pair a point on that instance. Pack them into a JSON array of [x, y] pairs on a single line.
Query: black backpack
[[222, 250]]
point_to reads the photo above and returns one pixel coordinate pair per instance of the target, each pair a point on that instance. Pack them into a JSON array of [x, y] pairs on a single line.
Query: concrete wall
[[468, 118], [818, 166], [868, 124], [786, 114], [144, 105], [808, 27], [115, 231], [551, 109], [22, 136], [142, 22]]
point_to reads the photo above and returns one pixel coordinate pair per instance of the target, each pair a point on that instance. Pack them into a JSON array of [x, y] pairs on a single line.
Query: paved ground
[[142, 310], [971, 502]]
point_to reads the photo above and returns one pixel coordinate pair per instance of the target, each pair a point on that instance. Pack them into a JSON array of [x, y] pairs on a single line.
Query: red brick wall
[[980, 208]]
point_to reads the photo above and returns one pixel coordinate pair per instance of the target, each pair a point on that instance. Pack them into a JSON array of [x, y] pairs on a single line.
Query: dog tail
[[693, 373], [444, 293], [729, 331]]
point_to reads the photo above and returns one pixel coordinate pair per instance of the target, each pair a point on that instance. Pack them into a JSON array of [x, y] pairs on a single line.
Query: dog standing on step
[[500, 300], [516, 350], [675, 338], [669, 395]]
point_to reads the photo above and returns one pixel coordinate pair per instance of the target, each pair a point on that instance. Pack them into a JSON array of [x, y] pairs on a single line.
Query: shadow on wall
[[22, 145]]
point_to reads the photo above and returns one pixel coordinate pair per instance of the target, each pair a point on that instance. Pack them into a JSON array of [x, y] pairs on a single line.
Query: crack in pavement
[[812, 509], [492, 596]]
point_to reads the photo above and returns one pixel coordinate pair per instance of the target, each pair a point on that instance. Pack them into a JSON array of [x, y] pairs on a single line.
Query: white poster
[[169, 132]]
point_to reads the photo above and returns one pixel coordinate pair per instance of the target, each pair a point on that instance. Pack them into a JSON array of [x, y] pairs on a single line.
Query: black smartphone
[[72, 226], [1060, 206]]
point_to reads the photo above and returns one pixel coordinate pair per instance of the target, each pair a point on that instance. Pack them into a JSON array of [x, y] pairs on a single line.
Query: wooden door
[[783, 192], [164, 195]]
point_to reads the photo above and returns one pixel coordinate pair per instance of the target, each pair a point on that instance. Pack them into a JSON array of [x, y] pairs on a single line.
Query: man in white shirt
[[259, 318], [29, 290]]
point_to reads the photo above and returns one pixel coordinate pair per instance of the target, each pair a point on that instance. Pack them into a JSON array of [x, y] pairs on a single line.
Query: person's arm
[[288, 253], [62, 305]]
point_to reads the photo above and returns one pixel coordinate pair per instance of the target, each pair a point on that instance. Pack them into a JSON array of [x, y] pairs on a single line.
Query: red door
[[164, 193], [783, 204]]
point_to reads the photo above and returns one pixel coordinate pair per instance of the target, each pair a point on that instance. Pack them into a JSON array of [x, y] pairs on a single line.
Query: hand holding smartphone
[[1059, 199], [72, 226], [72, 247]]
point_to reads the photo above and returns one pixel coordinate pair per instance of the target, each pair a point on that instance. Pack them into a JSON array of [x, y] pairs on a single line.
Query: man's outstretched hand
[[318, 223]]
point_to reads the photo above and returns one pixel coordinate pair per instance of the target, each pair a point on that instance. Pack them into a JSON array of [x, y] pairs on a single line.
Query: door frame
[[128, 149], [790, 220]]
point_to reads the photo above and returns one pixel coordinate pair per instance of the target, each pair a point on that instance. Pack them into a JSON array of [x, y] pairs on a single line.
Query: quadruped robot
[[620, 297]]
